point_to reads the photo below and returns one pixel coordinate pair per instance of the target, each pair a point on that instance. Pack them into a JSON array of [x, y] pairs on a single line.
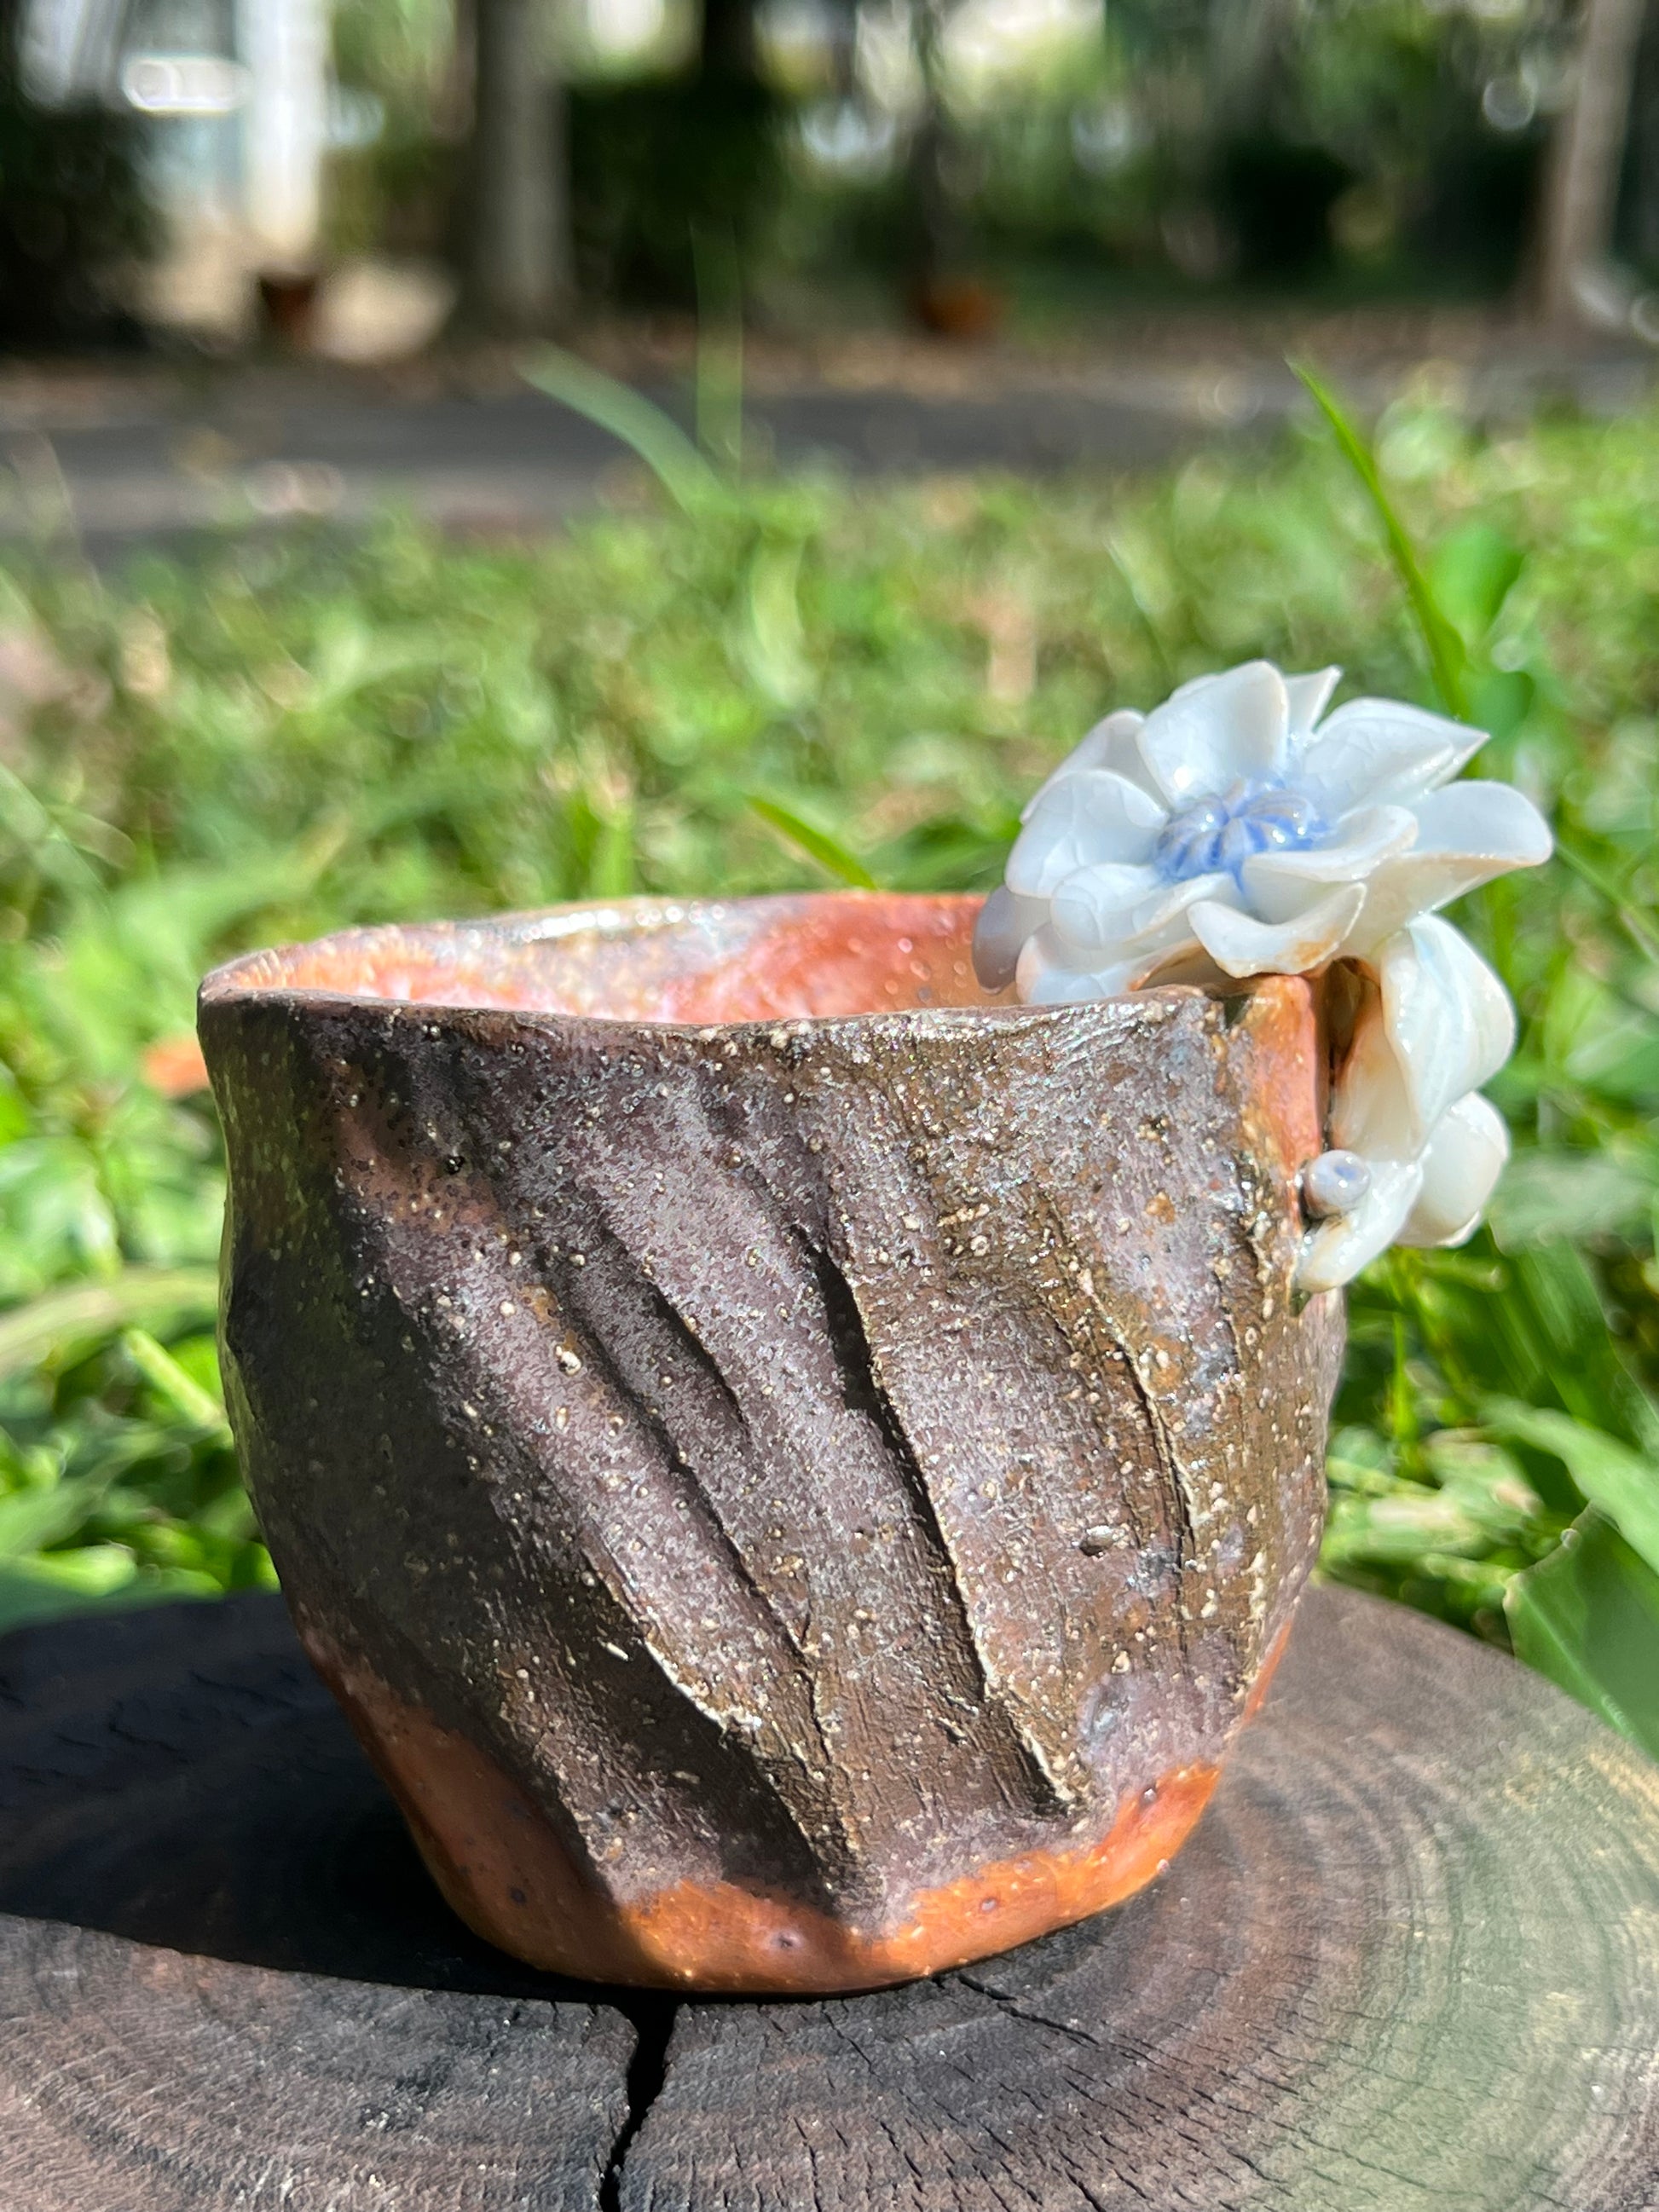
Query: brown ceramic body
[[796, 1470]]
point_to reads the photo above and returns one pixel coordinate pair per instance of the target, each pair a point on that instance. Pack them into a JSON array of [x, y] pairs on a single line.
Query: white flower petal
[[1187, 963], [1334, 1252], [1005, 923], [1493, 820], [1242, 945], [1094, 907], [1372, 1111], [1176, 958], [1448, 1017], [1378, 751], [1466, 834], [1211, 733], [1049, 949], [1159, 939], [1279, 885], [1460, 1167], [1163, 936], [1194, 684], [1068, 987], [1094, 816], [1046, 977], [1443, 1024], [1307, 695], [1109, 744], [1169, 902]]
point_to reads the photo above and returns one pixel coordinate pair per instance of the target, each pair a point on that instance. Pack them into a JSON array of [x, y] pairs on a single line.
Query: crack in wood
[[652, 2016]]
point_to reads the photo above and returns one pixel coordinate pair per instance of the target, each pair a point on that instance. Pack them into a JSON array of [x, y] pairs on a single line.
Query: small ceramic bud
[[1336, 1182]]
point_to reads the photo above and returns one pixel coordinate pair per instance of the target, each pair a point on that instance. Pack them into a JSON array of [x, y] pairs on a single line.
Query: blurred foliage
[[397, 191], [75, 212], [1379, 145], [656, 164], [1363, 146], [1390, 132], [396, 49], [769, 683]]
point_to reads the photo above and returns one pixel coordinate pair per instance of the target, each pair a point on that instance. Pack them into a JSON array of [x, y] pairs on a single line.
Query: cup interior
[[819, 955]]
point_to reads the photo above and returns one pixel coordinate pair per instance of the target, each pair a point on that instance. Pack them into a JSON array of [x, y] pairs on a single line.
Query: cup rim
[[296, 973]]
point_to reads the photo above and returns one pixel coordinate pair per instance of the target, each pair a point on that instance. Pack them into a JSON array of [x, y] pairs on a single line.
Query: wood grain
[[1411, 1960]]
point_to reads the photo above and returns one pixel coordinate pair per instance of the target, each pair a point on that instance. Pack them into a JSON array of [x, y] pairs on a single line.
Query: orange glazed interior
[[816, 956]]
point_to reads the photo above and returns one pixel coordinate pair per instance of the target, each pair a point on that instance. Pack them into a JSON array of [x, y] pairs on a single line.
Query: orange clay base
[[501, 1868]]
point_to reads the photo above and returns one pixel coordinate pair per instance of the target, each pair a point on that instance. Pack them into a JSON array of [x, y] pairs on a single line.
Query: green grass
[[294, 736]]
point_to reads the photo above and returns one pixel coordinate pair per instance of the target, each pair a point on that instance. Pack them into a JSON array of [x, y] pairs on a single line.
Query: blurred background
[[1023, 233], [355, 175], [458, 454]]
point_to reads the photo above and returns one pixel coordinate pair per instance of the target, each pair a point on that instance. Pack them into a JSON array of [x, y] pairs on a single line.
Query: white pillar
[[284, 44]]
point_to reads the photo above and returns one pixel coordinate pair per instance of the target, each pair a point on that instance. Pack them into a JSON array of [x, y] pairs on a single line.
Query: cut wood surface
[[1410, 1959]]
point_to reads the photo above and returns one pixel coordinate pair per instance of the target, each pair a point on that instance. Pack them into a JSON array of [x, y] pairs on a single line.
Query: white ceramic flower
[[1435, 1023], [1232, 833]]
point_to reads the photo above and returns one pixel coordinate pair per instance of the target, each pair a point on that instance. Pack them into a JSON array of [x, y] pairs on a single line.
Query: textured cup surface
[[795, 1468]]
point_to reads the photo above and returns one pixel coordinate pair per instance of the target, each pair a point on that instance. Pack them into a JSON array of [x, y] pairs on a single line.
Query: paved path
[[114, 462], [513, 462]]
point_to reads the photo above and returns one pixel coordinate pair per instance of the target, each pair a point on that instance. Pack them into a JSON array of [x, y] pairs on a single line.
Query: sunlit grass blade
[[719, 347], [1141, 611], [1472, 574], [168, 1379], [1635, 927], [1444, 647], [610, 873], [1624, 1485], [32, 1519], [84, 1312], [772, 640], [1587, 1616], [29, 826], [655, 437], [834, 859]]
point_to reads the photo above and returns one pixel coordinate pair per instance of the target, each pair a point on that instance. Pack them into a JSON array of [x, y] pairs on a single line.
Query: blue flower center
[[1216, 836]]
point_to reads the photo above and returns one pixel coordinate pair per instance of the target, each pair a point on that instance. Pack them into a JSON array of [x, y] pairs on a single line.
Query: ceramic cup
[[796, 1468]]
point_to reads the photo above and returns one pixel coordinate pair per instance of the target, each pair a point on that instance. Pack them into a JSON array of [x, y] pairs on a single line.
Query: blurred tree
[[661, 161], [517, 266], [1643, 179], [73, 207], [728, 46], [945, 295], [1276, 179], [936, 222], [1581, 196]]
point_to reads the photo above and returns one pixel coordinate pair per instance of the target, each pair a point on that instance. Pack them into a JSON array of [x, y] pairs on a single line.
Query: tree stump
[[1410, 1959]]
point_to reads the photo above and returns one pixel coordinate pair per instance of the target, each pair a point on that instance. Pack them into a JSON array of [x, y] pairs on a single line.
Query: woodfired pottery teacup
[[796, 1468]]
